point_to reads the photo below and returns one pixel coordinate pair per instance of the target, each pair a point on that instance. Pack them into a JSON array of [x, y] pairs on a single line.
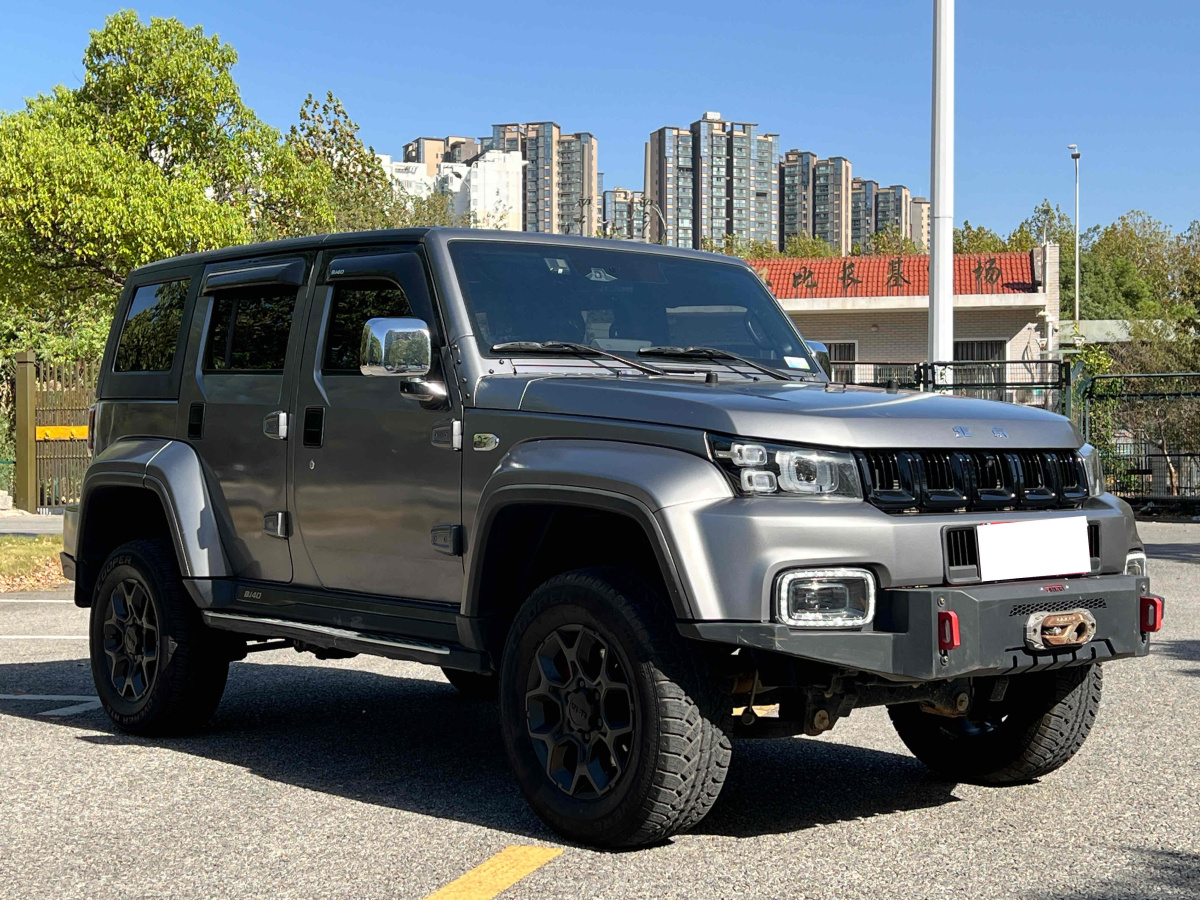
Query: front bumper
[[902, 642]]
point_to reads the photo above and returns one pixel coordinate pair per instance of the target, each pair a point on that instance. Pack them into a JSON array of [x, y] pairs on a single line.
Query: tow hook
[[1059, 630]]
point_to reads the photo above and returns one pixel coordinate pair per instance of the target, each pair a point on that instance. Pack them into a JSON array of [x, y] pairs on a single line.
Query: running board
[[335, 638]]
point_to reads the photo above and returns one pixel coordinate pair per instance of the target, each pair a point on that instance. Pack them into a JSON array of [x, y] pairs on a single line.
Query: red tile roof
[[894, 276]]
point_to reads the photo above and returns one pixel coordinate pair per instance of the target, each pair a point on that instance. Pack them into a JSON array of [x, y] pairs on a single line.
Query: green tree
[[889, 241], [971, 239], [804, 246], [152, 156]]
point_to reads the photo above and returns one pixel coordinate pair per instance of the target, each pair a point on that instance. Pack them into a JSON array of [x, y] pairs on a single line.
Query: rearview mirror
[[395, 347], [821, 352]]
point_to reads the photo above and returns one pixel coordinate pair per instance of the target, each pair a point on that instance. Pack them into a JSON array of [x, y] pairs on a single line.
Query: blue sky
[[1119, 79]]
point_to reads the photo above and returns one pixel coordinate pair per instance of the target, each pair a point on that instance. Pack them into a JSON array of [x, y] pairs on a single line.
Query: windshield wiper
[[714, 353], [571, 347]]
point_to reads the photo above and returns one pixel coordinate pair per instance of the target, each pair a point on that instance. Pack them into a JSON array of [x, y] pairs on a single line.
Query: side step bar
[[344, 639]]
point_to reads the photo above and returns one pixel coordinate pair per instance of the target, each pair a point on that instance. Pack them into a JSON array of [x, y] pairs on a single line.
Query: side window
[[355, 302], [249, 330], [151, 330]]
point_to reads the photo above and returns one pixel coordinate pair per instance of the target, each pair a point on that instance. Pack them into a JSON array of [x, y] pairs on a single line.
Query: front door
[[370, 486], [234, 418]]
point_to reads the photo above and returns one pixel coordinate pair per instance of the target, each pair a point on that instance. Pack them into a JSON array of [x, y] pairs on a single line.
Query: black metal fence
[[1147, 429], [1044, 383]]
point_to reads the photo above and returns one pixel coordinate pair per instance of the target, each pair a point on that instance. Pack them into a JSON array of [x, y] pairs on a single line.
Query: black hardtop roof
[[421, 235]]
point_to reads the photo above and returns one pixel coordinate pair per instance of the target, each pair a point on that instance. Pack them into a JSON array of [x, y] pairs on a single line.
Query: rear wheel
[[157, 668], [1041, 723], [607, 716]]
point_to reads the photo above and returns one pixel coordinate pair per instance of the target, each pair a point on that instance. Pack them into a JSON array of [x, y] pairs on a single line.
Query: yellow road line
[[61, 432], [499, 873]]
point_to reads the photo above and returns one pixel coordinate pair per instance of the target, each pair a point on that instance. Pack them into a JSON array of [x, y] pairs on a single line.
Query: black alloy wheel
[[580, 712], [131, 639]]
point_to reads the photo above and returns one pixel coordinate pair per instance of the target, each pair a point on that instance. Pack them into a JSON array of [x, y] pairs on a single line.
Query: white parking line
[[80, 703], [15, 600]]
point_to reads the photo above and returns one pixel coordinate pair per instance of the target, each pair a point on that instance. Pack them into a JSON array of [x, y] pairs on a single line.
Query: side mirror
[[821, 352], [396, 347]]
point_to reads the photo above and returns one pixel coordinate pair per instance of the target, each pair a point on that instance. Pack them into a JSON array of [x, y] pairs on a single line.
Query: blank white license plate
[[1034, 549]]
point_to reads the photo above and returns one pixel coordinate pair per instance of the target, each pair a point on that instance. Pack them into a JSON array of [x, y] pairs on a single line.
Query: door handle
[[275, 425]]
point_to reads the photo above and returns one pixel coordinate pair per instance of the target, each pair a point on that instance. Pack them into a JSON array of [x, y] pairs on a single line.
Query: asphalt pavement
[[369, 778]]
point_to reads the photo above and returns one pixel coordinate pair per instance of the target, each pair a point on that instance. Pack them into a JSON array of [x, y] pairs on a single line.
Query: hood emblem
[[962, 431], [999, 432]]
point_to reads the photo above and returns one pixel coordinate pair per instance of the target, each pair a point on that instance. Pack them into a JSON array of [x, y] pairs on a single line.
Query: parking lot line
[[19, 600], [499, 873], [79, 703]]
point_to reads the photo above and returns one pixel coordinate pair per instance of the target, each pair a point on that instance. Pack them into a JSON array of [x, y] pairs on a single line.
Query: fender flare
[[172, 470], [635, 480]]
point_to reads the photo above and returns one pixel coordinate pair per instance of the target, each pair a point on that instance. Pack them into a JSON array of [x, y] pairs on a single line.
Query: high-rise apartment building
[[831, 202], [919, 222], [433, 151], [670, 187], [624, 214], [562, 176], [717, 178], [863, 192], [796, 194], [893, 209]]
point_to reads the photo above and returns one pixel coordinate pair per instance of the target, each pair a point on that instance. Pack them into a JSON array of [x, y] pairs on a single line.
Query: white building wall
[[412, 177], [496, 190]]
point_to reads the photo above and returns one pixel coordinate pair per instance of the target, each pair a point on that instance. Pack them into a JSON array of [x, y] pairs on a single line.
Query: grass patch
[[30, 563]]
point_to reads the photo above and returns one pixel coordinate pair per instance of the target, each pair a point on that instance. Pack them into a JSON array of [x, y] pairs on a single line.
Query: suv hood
[[796, 412]]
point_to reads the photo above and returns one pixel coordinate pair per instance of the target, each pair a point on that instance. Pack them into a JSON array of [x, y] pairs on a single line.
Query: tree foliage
[[888, 241]]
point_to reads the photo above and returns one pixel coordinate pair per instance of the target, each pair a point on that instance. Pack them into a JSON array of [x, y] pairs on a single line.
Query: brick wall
[[903, 335]]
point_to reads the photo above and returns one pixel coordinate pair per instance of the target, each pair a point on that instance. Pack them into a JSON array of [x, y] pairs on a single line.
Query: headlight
[[1095, 471], [756, 467], [825, 598], [1135, 563]]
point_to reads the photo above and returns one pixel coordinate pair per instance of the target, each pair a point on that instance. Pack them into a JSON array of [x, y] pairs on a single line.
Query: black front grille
[[900, 481]]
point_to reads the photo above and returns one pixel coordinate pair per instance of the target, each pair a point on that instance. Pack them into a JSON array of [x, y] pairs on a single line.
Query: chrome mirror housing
[[396, 347], [821, 353]]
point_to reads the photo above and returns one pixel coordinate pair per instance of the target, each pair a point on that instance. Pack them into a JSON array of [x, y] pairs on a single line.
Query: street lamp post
[[1078, 287], [941, 250]]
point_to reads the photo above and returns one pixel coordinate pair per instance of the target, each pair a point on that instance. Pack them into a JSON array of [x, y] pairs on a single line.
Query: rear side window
[[354, 303], [249, 330], [151, 330]]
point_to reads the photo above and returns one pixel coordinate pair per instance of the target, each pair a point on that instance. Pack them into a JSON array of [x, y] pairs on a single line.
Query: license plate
[[1034, 549]]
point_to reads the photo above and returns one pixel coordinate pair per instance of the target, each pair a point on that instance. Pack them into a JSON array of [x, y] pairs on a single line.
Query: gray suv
[[607, 483]]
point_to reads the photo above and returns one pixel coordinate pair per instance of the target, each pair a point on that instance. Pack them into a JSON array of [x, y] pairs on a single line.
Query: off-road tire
[[192, 660], [472, 685], [1041, 723], [679, 756]]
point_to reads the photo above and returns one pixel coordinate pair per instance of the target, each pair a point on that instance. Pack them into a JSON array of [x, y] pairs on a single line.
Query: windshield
[[621, 301]]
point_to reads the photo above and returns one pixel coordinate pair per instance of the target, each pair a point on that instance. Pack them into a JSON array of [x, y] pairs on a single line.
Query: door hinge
[[447, 539], [275, 523], [275, 425], [447, 434]]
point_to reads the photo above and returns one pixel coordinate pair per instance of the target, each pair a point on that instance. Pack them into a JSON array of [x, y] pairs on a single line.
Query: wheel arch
[[142, 488], [551, 506]]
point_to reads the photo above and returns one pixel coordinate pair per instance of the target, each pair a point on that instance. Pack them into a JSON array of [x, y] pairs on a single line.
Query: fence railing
[[1147, 429], [1043, 383]]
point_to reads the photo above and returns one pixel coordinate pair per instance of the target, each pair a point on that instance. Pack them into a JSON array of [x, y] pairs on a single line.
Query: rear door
[[238, 406], [372, 480]]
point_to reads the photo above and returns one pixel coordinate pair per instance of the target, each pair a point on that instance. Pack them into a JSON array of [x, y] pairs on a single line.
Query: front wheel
[[157, 668], [607, 716], [1041, 723]]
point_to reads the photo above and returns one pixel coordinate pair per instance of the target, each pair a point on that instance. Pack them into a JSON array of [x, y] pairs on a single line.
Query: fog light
[[825, 598], [1135, 563]]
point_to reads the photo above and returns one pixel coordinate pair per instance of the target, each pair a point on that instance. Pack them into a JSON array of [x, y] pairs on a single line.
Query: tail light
[[1151, 617], [91, 438], [948, 637]]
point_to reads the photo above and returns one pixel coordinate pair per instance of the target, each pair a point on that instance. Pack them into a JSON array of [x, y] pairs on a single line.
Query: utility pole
[[941, 251], [1078, 286]]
